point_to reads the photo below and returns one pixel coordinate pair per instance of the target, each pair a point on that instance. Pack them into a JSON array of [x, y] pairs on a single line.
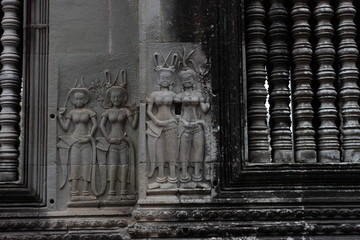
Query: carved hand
[[84, 139], [134, 110], [61, 112], [159, 123], [114, 140], [164, 123], [173, 120]]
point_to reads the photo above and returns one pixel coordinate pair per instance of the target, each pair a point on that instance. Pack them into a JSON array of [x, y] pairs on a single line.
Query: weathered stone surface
[[103, 77]]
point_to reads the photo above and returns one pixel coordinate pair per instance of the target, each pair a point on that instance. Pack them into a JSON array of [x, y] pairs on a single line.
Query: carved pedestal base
[[7, 176], [306, 156], [82, 198], [259, 157], [176, 195], [329, 156], [83, 204], [283, 156], [119, 203], [352, 155]]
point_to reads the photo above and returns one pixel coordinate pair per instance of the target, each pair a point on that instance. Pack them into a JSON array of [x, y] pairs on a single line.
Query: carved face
[[188, 79], [118, 98], [166, 78], [79, 99]]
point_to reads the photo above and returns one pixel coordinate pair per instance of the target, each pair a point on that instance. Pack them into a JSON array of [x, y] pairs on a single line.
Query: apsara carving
[[176, 142]]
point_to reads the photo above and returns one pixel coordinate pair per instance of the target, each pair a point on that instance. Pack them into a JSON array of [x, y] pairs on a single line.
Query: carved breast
[[190, 100], [81, 117], [117, 115], [163, 100]]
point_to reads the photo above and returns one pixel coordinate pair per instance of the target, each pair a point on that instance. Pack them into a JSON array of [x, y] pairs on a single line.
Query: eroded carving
[[162, 128], [191, 127], [176, 142], [77, 150]]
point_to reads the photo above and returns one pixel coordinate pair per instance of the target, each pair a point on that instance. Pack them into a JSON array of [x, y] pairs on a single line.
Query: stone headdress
[[165, 66], [187, 65], [118, 87], [79, 87]]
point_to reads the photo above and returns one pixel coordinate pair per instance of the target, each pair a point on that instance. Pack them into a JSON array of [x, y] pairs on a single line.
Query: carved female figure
[[118, 148], [77, 150], [162, 129], [191, 128]]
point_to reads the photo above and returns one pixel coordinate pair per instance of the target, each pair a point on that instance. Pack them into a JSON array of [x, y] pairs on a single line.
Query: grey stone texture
[[147, 119]]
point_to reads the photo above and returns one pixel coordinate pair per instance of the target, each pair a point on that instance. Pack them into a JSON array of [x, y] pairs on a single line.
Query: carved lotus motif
[[182, 215]]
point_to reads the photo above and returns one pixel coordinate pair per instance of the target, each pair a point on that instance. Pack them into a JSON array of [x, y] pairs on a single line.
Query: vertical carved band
[[326, 94], [256, 59], [302, 75], [10, 86], [349, 92], [279, 81]]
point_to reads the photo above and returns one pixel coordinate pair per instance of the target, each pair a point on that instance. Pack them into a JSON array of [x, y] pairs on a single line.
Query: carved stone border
[[29, 190], [237, 222], [64, 225], [237, 177], [236, 214], [233, 230]]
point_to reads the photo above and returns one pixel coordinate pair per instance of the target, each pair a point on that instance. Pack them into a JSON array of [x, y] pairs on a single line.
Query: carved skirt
[[162, 144], [192, 143], [80, 161], [118, 154], [167, 144]]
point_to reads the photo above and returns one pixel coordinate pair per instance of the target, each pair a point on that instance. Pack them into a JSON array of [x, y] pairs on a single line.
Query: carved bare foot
[[196, 178], [202, 185], [130, 197], [154, 185], [111, 193], [168, 186], [173, 180], [113, 197], [127, 197], [85, 193], [123, 194], [185, 177], [189, 185], [75, 193]]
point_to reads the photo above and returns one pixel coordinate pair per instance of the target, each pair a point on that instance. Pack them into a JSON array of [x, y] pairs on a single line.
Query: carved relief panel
[[97, 121], [178, 142]]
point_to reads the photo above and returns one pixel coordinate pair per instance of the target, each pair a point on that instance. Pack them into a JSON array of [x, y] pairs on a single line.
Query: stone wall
[[148, 119]]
